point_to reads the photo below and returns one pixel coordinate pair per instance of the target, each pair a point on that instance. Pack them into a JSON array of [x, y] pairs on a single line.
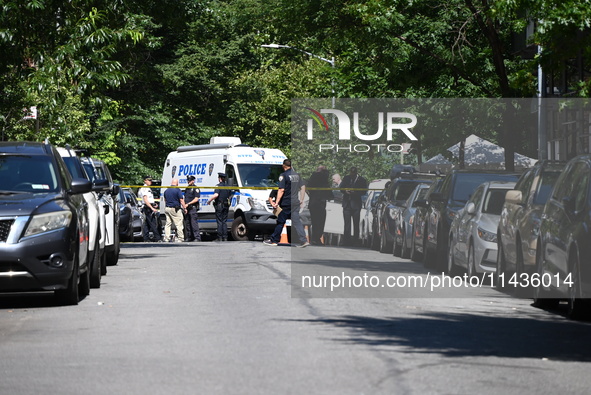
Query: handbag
[[276, 211]]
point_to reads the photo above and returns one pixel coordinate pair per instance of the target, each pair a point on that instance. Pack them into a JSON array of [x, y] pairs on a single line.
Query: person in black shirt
[[317, 202], [221, 198], [352, 204], [191, 217], [289, 200]]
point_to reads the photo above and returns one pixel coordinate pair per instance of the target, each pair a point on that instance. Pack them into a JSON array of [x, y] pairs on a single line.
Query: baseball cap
[[148, 178], [222, 175]]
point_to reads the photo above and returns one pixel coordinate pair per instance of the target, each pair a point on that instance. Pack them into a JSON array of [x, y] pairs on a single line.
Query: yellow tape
[[259, 188]]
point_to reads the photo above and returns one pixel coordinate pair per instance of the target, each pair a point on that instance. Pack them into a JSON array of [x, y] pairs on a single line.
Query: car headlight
[[47, 222], [256, 204], [487, 236]]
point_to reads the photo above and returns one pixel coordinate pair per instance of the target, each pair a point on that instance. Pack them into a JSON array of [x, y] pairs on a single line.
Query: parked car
[[563, 257], [96, 216], [132, 219], [404, 232], [99, 170], [520, 220], [473, 234], [375, 189], [420, 228], [43, 223], [444, 204], [390, 204]]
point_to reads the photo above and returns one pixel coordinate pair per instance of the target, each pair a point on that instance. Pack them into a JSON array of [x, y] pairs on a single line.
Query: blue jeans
[[285, 214]]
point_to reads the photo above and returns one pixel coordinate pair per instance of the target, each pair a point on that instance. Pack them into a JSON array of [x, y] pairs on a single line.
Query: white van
[[252, 170]]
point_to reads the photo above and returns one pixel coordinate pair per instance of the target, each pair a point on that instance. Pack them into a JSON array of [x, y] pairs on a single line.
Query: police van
[[252, 171]]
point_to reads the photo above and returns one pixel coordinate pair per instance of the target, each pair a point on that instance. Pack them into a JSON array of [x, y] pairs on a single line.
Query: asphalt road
[[219, 318]]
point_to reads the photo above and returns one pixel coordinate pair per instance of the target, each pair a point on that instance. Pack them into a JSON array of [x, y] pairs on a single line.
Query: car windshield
[[27, 173], [467, 183], [403, 190], [545, 186], [259, 175], [493, 201]]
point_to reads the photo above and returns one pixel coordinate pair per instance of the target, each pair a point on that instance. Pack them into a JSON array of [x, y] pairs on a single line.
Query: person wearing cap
[[288, 198], [150, 211], [174, 210], [192, 195], [221, 201]]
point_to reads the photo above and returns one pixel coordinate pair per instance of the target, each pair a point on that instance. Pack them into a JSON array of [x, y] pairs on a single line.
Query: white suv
[[96, 216], [109, 198]]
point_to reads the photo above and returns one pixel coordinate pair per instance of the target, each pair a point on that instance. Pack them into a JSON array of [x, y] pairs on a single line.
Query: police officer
[[150, 210], [221, 201], [288, 198], [191, 218]]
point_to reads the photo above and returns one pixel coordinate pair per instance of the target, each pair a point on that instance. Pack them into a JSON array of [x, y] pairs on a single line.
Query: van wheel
[[239, 230]]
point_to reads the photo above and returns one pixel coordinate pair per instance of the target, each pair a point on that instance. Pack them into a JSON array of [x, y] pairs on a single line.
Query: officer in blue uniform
[[221, 201]]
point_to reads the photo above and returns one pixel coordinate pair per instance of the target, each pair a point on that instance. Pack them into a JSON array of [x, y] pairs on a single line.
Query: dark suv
[[445, 203], [391, 201], [563, 257], [43, 223]]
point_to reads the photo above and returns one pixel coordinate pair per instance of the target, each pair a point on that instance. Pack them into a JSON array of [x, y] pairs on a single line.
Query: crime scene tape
[[262, 188]]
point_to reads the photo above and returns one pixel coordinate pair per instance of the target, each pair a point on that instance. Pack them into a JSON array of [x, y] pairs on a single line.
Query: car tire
[[415, 256], [383, 242], [471, 262], [95, 267], [428, 255], [70, 296], [500, 272], [541, 299], [113, 256], [239, 229], [577, 308], [405, 254], [520, 292], [452, 269], [397, 248]]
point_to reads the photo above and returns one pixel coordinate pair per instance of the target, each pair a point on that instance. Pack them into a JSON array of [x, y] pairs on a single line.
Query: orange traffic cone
[[284, 237]]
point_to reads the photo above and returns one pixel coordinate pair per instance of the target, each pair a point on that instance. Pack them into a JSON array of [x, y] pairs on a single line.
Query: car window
[[466, 183], [403, 190], [581, 178], [565, 184], [494, 200], [525, 183], [544, 186], [28, 173]]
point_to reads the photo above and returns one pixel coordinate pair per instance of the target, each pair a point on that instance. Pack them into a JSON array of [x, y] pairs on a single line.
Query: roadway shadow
[[461, 335], [27, 300]]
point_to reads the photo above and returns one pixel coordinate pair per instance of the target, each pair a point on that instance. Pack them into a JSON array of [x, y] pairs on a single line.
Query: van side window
[[231, 173]]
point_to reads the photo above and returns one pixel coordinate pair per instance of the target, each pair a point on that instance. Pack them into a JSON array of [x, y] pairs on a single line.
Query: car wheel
[[396, 248], [103, 263], [384, 247], [577, 308], [405, 249], [415, 255], [70, 295], [452, 269], [113, 256], [499, 277], [520, 292], [239, 229], [375, 242], [428, 255], [541, 299], [471, 262], [95, 267]]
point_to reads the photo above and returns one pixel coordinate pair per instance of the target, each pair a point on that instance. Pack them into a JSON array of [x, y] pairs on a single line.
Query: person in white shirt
[[150, 210]]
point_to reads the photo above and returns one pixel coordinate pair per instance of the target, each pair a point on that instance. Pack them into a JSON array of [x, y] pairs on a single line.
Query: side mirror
[[100, 185], [471, 208], [80, 185], [421, 203], [436, 197], [116, 189], [514, 196]]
